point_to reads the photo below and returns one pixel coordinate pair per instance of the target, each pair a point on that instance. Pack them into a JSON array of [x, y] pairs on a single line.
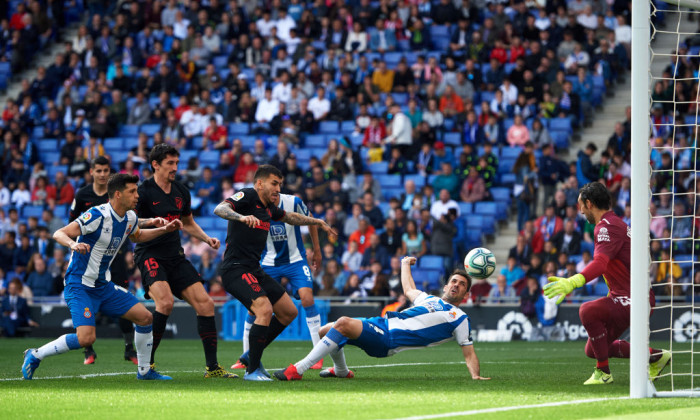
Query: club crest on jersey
[[453, 314], [87, 313], [603, 235], [237, 196], [86, 216], [178, 203]]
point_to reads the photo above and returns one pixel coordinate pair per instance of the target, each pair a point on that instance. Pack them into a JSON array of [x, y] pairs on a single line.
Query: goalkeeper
[[606, 318]]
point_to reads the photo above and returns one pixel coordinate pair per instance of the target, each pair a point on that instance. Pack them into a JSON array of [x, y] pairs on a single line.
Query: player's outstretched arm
[[301, 220], [66, 237], [472, 362], [145, 235], [225, 211], [409, 286], [193, 229], [152, 222]]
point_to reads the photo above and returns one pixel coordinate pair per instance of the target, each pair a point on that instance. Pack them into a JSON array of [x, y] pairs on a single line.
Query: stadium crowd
[[412, 127]]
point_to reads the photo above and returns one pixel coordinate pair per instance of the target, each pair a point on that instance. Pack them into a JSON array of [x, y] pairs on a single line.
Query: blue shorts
[[375, 339], [298, 273], [84, 302]]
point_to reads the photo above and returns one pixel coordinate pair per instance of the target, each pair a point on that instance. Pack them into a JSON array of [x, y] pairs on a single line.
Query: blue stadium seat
[[587, 246], [32, 211], [150, 129], [439, 30], [118, 157], [387, 181], [61, 211], [238, 128], [440, 43], [38, 132], [49, 158], [51, 170], [430, 261], [560, 139], [129, 131], [315, 140], [501, 194], [392, 58], [474, 238], [303, 154], [46, 145], [347, 127], [510, 152], [485, 208], [5, 68], [378, 168], [507, 179], [400, 98], [506, 166], [384, 207], [113, 144], [248, 142], [465, 208], [220, 61], [392, 192], [560, 124], [452, 139], [210, 158], [419, 180], [487, 96], [132, 142], [475, 221], [328, 127]]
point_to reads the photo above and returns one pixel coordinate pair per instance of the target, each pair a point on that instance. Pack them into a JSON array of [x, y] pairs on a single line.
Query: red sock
[[620, 349], [603, 365]]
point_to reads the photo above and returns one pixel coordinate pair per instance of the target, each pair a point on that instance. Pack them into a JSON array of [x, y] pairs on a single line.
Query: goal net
[[673, 111]]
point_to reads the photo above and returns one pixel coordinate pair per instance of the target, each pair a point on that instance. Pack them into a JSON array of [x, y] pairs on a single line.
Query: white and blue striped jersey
[[105, 232], [284, 243], [429, 322]]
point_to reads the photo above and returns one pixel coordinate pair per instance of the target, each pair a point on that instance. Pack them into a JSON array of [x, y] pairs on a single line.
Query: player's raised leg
[[342, 330], [203, 305]]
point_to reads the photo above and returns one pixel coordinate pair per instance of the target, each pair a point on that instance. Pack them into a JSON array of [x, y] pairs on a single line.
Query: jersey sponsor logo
[[433, 306], [86, 216], [155, 203], [278, 233], [171, 217], [113, 247], [88, 203], [237, 196], [603, 235], [87, 313], [178, 203]]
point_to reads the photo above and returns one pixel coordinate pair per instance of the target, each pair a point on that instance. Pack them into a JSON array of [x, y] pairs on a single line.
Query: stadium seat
[[115, 144], [150, 129], [327, 127], [465, 208], [50, 158], [587, 246], [506, 166], [452, 139], [220, 62], [315, 140], [392, 58], [210, 158], [378, 168], [384, 207], [439, 30], [392, 192], [388, 181], [510, 153], [51, 170], [238, 128], [560, 124], [485, 208], [419, 180], [347, 127], [46, 145], [474, 238], [501, 194], [32, 211], [560, 139], [129, 130], [61, 212], [507, 179], [431, 261]]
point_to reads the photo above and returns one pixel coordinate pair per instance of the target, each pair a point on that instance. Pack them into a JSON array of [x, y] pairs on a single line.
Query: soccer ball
[[480, 263]]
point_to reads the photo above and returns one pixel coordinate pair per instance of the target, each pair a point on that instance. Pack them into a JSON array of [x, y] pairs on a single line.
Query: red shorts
[[614, 312]]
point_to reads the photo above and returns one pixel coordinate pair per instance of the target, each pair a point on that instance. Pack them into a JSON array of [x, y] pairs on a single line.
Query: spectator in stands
[[501, 292], [362, 234], [38, 279], [473, 187], [447, 180], [551, 171], [245, 171], [568, 240], [668, 275], [400, 131], [444, 231], [413, 241], [549, 224], [371, 211], [8, 247], [15, 310], [319, 106], [375, 253], [525, 171], [64, 189], [383, 78], [352, 259], [585, 172], [518, 134], [529, 296], [21, 195], [49, 220], [512, 271]]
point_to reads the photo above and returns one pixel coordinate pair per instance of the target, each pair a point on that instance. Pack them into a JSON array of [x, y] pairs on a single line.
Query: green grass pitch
[[425, 383]]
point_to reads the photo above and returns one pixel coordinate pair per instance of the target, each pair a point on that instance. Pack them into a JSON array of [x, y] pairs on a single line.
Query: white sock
[[314, 324], [325, 346], [143, 341], [60, 345], [339, 365], [246, 332]]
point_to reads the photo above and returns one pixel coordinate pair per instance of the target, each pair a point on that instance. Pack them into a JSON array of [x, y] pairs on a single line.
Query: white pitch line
[[511, 408]]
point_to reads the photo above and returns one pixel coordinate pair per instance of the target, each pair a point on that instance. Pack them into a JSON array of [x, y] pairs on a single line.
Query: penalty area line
[[511, 408]]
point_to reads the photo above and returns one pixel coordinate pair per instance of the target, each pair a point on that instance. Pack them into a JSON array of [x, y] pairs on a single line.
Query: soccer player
[[93, 195], [606, 318], [100, 232], [165, 272], [431, 321], [249, 212], [285, 256]]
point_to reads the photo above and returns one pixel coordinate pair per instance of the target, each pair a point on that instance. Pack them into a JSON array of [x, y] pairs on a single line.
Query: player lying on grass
[[605, 319], [100, 232], [431, 321]]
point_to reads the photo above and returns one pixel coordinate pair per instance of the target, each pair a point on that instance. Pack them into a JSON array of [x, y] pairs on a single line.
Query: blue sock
[[250, 319], [336, 337], [311, 311], [72, 341], [145, 329]]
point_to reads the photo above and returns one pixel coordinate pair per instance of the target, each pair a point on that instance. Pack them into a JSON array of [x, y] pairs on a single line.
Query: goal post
[[639, 261], [665, 127]]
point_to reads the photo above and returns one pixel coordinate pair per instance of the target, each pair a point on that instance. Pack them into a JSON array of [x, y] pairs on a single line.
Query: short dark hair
[[463, 273], [160, 152], [118, 182], [597, 194], [264, 172], [100, 160]]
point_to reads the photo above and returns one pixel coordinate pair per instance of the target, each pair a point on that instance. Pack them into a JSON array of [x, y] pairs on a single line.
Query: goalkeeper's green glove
[[562, 287]]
